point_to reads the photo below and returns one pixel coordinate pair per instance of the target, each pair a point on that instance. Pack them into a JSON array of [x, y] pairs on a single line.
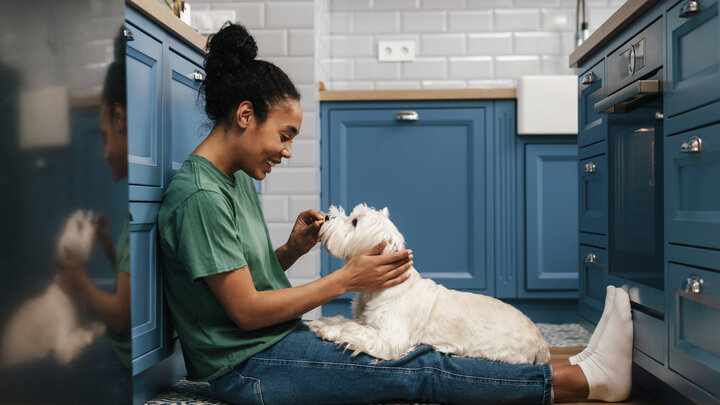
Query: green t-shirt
[[211, 223]]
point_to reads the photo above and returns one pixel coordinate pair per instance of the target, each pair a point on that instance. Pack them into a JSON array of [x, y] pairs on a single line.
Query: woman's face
[[267, 143], [113, 125]]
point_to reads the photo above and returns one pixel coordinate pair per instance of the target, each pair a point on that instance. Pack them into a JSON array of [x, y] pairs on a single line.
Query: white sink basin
[[547, 105]]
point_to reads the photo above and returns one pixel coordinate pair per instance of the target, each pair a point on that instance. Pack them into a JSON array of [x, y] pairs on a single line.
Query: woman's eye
[[354, 222]]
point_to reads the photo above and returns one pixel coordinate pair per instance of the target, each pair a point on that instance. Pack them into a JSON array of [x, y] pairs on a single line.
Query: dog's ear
[[386, 212]]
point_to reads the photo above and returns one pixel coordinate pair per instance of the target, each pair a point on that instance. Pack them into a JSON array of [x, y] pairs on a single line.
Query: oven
[[635, 133]]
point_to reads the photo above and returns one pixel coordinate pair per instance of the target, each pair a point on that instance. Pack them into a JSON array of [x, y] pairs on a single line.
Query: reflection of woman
[[113, 308], [235, 312]]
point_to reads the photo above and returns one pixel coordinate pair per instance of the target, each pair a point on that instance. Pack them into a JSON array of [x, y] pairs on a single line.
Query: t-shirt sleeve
[[208, 242]]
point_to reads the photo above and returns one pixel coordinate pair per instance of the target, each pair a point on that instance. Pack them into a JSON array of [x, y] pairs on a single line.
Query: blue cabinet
[[429, 172], [551, 219], [591, 89], [165, 123], [693, 58], [456, 181], [144, 62]]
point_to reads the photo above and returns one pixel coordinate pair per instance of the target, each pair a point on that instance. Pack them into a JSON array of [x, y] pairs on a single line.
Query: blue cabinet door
[[186, 120], [145, 282], [551, 236], [430, 173], [692, 206], [593, 194], [692, 58], [593, 263], [144, 93], [592, 126]]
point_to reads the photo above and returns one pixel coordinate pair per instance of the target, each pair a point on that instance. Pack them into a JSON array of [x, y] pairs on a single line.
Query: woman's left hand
[[304, 234]]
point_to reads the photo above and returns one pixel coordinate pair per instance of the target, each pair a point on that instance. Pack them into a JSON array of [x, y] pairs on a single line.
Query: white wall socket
[[396, 51]]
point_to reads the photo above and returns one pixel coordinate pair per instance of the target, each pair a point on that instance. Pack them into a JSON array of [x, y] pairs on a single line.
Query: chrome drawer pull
[[692, 145], [198, 76], [406, 116], [690, 9], [591, 258], [128, 34], [589, 78], [659, 115], [694, 284], [590, 167]]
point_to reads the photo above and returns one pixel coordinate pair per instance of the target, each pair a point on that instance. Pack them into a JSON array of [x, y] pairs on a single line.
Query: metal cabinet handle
[[659, 115], [590, 167], [693, 284], [198, 76], [406, 116], [128, 34], [591, 258], [690, 9], [589, 78], [692, 145]]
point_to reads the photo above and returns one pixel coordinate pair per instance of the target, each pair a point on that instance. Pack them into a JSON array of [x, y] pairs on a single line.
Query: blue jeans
[[303, 369]]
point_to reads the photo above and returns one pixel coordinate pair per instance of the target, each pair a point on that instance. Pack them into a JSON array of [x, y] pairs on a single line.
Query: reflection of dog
[[52, 323], [391, 323]]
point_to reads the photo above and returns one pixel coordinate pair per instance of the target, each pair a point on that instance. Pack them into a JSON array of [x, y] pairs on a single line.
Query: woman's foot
[[608, 368], [607, 311]]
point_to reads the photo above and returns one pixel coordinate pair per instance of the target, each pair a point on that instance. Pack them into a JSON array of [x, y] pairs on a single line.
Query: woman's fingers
[[397, 275]]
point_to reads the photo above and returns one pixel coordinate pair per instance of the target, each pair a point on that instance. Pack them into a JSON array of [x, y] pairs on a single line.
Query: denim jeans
[[303, 369]]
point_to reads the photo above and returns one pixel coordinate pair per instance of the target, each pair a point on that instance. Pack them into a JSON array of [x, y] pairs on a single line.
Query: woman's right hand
[[374, 271]]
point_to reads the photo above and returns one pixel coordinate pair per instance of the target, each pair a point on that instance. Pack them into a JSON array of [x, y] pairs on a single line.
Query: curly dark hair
[[234, 75]]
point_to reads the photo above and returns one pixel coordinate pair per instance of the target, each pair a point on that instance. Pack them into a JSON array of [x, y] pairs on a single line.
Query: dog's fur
[[391, 323], [52, 324]]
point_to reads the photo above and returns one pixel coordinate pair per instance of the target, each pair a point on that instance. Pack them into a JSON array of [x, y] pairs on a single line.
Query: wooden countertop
[[624, 16], [165, 18], [427, 94]]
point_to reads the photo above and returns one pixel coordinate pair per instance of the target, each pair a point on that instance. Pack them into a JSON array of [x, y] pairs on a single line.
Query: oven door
[[635, 178]]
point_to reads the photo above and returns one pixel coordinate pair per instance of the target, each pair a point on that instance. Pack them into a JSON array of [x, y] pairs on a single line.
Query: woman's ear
[[119, 118], [244, 114]]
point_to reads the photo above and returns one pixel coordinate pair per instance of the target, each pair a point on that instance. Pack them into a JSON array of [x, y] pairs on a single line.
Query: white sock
[[608, 369], [597, 333]]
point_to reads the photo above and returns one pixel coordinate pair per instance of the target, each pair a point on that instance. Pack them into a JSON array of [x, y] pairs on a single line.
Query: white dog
[[52, 323], [391, 323]]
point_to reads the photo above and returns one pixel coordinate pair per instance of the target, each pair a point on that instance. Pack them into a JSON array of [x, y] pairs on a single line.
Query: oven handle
[[619, 102]]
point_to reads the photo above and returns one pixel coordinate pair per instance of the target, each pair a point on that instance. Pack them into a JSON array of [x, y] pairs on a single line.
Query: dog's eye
[[354, 222]]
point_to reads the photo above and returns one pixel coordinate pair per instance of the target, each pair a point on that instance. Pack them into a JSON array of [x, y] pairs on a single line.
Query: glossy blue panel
[[144, 72], [551, 219], [593, 279], [692, 58], [593, 195], [430, 173], [592, 127], [692, 214]]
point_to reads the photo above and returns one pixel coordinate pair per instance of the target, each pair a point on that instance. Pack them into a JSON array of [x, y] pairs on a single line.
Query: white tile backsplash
[[425, 68], [443, 45], [382, 22], [470, 21], [301, 42], [528, 43], [289, 14], [424, 21], [494, 43], [371, 69], [471, 67]]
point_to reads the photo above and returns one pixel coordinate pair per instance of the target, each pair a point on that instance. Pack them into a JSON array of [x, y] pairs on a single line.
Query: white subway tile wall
[[464, 43], [459, 43]]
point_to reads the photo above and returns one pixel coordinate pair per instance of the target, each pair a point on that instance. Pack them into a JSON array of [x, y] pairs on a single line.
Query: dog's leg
[[361, 338]]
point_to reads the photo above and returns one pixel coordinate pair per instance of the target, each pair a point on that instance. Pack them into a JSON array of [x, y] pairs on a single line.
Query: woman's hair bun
[[233, 39]]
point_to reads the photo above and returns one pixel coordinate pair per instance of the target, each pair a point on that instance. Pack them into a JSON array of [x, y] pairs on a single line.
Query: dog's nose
[[327, 217]]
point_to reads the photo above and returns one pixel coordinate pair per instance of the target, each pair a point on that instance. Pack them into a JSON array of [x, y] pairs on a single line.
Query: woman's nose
[[287, 152]]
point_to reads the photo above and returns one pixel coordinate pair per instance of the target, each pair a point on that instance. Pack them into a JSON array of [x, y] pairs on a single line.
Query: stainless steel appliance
[[635, 119]]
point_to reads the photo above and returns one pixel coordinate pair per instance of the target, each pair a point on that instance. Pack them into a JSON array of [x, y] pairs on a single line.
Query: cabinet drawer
[[693, 58], [691, 188], [649, 335], [593, 197], [591, 89], [593, 275], [695, 326]]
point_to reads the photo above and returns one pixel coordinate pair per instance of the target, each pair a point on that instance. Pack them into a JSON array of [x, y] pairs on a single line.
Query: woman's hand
[[304, 234], [374, 271]]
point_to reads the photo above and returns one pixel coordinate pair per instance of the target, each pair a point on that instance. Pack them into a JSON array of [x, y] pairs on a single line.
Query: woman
[[236, 314]]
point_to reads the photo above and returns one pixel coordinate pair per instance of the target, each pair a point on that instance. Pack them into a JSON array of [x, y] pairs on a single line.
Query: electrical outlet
[[396, 51]]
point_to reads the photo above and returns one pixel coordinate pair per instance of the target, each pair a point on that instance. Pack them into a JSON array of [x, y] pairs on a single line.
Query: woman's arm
[[251, 309]]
